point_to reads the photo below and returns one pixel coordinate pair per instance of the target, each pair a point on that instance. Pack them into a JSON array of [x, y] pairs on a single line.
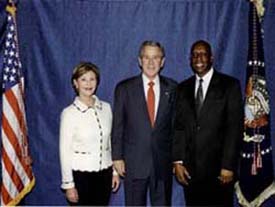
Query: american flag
[[17, 176], [256, 180]]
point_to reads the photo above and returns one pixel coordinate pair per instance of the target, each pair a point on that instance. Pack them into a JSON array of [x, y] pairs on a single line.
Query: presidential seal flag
[[256, 183], [17, 176]]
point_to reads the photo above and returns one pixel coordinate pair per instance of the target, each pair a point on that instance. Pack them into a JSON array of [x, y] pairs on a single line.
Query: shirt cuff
[[67, 185], [115, 173]]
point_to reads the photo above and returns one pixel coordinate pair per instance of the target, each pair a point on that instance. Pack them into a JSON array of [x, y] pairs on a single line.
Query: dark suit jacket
[[142, 147], [210, 142]]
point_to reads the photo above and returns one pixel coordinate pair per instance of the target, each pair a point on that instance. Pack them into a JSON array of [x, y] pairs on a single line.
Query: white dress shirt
[[85, 143], [156, 89], [205, 84]]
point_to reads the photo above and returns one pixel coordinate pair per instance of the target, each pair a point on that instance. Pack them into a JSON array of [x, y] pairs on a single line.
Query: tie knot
[[151, 83], [201, 80]]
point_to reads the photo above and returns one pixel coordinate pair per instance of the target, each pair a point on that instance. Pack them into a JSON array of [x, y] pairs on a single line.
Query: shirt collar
[[83, 107], [207, 77], [146, 80]]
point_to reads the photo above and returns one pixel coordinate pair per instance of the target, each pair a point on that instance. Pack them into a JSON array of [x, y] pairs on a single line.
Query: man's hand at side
[[181, 173], [226, 176], [120, 167]]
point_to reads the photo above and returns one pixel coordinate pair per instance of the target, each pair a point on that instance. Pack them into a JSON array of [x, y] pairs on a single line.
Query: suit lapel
[[191, 94], [164, 98], [162, 103], [211, 92], [140, 98]]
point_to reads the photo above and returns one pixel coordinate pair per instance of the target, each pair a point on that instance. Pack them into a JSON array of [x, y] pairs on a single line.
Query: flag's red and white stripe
[[17, 177]]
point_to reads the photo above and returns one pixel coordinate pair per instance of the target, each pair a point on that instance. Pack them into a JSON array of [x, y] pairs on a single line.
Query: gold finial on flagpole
[[11, 8], [259, 4]]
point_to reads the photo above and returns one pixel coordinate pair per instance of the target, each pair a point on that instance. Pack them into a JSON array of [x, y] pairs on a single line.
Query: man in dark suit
[[208, 129], [142, 126]]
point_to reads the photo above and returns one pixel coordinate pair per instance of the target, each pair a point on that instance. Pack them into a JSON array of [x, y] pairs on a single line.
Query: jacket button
[[198, 128]]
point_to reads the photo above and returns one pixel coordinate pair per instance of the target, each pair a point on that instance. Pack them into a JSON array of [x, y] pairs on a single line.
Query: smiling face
[[151, 60], [201, 58], [86, 84]]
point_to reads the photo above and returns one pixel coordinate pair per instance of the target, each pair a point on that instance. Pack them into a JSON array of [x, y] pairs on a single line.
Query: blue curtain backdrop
[[54, 35]]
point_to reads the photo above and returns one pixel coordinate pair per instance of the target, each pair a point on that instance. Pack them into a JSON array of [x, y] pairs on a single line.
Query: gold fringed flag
[[17, 176], [255, 183]]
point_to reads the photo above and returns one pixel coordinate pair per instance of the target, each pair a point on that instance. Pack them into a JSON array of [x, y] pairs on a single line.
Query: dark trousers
[[209, 193], [94, 188], [136, 191]]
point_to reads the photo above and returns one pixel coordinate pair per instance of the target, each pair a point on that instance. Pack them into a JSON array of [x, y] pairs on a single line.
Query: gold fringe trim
[[21, 195], [257, 202], [11, 9], [259, 4]]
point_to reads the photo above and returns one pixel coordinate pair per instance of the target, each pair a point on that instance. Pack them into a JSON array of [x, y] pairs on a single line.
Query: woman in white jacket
[[85, 145]]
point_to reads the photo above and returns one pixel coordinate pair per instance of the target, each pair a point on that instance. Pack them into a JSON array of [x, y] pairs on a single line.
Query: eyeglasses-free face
[[151, 61], [201, 59]]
